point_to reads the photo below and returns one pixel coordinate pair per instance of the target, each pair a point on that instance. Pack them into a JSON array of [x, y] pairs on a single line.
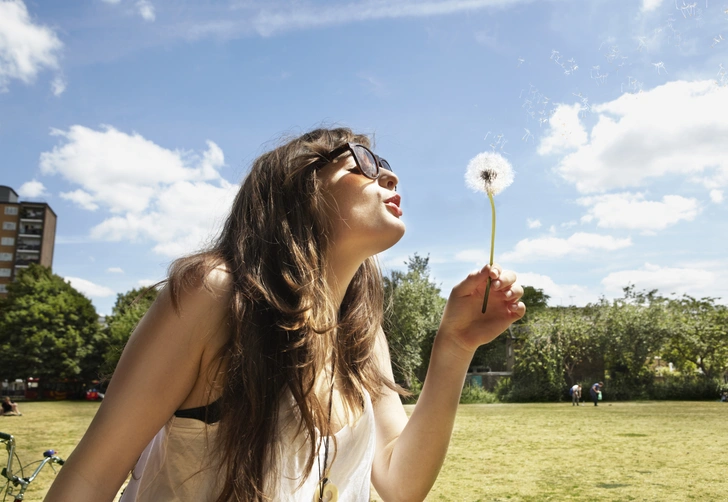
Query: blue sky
[[136, 120]]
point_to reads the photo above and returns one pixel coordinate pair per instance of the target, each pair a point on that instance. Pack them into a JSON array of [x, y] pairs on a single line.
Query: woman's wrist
[[448, 347]]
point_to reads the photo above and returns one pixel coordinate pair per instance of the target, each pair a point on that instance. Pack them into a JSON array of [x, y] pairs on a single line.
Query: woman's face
[[365, 213]]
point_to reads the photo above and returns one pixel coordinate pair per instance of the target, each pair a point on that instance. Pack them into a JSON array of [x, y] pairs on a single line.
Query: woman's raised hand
[[463, 322]]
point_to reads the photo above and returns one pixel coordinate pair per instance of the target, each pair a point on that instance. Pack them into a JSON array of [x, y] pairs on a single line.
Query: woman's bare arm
[[410, 452], [156, 372]]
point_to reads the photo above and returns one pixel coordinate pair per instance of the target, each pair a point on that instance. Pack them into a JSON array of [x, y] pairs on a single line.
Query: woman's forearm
[[419, 452]]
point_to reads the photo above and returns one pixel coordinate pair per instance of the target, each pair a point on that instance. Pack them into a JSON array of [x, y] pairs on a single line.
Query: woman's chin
[[395, 236]]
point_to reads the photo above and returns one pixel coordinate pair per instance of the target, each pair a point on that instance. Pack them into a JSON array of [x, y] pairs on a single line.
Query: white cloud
[[32, 189], [122, 171], [83, 199], [90, 289], [716, 196], [650, 5], [58, 85], [632, 211], [561, 294], [185, 216], [533, 223], [675, 129], [146, 10], [303, 16], [566, 132], [687, 280], [579, 244], [115, 270], [145, 283], [152, 192], [26, 48]]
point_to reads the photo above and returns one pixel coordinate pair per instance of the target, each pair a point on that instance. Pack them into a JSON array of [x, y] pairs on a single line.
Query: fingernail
[[509, 293], [496, 284]]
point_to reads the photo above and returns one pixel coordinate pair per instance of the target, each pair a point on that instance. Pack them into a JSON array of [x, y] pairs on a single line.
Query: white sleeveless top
[[175, 465]]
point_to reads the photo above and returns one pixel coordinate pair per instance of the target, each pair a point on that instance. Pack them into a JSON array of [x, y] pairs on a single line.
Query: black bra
[[209, 414]]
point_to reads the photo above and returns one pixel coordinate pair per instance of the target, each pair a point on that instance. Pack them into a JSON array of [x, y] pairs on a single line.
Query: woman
[[276, 373], [10, 408]]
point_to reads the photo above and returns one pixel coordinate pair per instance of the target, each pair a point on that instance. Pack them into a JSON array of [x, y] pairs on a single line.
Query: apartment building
[[27, 235]]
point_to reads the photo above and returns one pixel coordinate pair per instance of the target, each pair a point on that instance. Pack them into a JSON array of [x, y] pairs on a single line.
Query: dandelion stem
[[492, 249]]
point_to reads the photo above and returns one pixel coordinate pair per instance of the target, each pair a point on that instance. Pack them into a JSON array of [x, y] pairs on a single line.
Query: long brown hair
[[282, 318]]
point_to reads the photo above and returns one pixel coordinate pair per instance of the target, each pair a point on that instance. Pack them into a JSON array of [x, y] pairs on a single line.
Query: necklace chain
[[323, 478]]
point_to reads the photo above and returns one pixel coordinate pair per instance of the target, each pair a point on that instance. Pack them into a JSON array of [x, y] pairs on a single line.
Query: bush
[[623, 390], [471, 394], [528, 391], [475, 394], [503, 388], [686, 388]]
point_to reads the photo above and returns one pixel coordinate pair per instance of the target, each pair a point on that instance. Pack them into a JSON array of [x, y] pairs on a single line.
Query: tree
[[535, 301], [636, 329], [538, 372], [128, 310], [578, 338], [493, 354], [698, 338], [48, 329], [412, 315]]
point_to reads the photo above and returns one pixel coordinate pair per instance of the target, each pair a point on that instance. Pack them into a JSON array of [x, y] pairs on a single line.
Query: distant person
[[724, 397], [596, 391], [575, 392], [10, 408]]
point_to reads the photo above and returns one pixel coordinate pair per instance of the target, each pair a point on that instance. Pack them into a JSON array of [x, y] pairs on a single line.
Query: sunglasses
[[369, 163]]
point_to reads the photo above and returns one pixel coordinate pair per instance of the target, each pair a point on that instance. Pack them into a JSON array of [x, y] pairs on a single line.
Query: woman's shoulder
[[200, 279], [219, 280]]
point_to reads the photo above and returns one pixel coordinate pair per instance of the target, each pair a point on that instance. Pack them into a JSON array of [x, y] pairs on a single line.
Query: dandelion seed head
[[489, 172]]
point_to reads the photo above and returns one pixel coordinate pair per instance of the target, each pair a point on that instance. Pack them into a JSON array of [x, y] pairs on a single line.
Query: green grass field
[[647, 451]]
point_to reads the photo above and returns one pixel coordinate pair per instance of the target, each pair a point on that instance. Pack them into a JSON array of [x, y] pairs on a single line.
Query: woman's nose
[[388, 179]]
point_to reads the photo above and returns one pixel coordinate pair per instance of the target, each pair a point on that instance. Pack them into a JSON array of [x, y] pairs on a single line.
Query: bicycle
[[21, 481]]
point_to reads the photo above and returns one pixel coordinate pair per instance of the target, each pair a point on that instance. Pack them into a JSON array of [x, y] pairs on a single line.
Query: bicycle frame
[[23, 482]]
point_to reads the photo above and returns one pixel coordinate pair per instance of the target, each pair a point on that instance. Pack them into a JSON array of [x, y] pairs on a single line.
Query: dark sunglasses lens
[[367, 163], [385, 164]]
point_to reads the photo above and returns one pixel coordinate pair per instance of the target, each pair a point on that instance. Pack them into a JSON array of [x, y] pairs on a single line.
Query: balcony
[[31, 214], [24, 262], [28, 248], [30, 232]]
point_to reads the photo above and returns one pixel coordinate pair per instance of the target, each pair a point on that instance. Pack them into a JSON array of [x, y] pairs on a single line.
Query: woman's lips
[[394, 208]]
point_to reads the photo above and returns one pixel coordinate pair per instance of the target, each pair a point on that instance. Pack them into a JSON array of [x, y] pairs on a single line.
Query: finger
[[505, 280], [517, 309], [514, 293], [494, 270]]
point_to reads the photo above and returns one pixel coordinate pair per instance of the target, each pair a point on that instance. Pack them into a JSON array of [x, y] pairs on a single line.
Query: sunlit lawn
[[43, 426], [666, 451], [651, 451]]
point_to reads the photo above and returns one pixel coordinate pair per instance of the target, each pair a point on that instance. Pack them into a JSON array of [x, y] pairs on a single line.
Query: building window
[[11, 210], [9, 225], [6, 256], [3, 288], [5, 272], [7, 241]]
